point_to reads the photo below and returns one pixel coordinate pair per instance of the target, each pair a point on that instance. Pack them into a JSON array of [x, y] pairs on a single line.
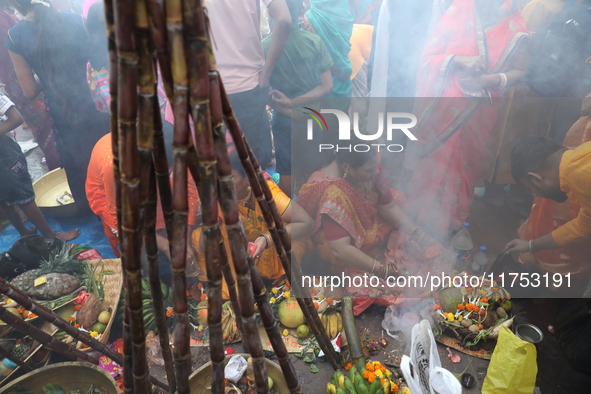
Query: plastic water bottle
[[480, 260], [462, 245]]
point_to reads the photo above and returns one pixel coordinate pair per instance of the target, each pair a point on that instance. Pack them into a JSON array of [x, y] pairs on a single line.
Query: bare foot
[[68, 235], [31, 231]]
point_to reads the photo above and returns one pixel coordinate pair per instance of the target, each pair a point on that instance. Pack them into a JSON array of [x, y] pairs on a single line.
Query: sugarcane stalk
[[272, 329], [113, 90], [125, 17], [148, 106], [236, 236], [273, 220], [181, 333], [353, 340], [157, 13], [44, 338], [50, 316], [6, 354]]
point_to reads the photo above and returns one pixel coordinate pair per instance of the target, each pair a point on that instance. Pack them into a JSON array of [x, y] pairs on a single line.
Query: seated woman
[[360, 226], [297, 223]]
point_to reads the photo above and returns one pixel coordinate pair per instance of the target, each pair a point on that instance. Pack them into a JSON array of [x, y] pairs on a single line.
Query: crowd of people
[[462, 62]]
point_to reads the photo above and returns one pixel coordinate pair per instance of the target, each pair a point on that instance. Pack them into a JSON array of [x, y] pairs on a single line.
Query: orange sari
[[547, 215]]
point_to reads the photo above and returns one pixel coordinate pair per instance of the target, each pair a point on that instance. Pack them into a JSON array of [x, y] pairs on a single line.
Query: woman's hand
[[261, 245], [469, 65], [480, 82], [518, 246]]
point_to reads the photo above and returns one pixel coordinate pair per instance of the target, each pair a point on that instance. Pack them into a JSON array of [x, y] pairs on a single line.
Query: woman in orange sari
[[547, 215], [360, 227], [475, 51]]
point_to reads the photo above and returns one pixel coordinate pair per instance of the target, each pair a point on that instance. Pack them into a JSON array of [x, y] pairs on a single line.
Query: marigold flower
[[274, 290], [94, 334], [348, 366], [272, 300], [200, 286], [371, 377], [369, 367], [287, 294], [169, 312], [187, 293], [485, 300], [256, 308], [316, 305], [285, 332], [72, 318], [203, 297], [436, 307], [366, 374], [76, 325], [77, 307], [383, 381], [329, 300], [460, 318], [393, 387], [450, 316], [31, 315], [461, 307], [379, 373], [21, 310], [388, 373]]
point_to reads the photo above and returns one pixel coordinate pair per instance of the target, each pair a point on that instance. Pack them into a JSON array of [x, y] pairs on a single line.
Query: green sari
[[333, 22]]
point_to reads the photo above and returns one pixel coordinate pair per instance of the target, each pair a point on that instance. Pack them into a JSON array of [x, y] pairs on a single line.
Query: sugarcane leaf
[[313, 368]]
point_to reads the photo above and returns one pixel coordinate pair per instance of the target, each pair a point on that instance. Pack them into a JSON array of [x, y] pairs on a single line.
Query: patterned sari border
[[452, 128]]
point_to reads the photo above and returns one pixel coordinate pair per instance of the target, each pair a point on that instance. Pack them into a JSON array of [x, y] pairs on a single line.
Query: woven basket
[[112, 286], [71, 376], [200, 380]]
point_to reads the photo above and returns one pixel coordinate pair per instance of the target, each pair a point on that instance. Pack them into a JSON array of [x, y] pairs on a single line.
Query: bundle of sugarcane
[[176, 36]]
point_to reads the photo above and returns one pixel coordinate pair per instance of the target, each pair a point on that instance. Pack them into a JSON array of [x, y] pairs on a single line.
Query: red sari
[[453, 132], [356, 213]]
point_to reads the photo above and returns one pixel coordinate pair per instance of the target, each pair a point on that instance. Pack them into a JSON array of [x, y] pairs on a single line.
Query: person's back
[[64, 85], [304, 58]]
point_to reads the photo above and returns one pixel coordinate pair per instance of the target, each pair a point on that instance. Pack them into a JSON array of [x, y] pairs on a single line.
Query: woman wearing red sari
[[474, 53], [360, 227]]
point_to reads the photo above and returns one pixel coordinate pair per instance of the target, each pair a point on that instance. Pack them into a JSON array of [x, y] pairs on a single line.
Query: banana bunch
[[332, 321], [355, 383]]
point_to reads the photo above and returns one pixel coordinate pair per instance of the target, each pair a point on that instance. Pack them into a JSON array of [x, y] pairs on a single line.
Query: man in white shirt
[[235, 26]]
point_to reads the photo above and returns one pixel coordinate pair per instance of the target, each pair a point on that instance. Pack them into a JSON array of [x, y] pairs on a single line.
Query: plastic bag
[[235, 368], [513, 367], [422, 370]]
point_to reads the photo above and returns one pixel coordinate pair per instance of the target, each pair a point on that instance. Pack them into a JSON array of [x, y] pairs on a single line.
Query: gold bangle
[[373, 267]]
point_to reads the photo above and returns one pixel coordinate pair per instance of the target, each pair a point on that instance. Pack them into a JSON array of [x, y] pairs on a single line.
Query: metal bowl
[[48, 188], [529, 333]]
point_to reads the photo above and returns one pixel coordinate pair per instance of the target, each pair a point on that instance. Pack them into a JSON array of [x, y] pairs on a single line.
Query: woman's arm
[[15, 119], [344, 250], [297, 221], [322, 90], [26, 77]]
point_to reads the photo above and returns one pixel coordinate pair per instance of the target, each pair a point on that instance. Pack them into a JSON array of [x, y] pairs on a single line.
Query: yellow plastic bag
[[513, 366]]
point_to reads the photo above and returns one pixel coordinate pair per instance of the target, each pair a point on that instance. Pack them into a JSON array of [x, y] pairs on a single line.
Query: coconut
[[290, 314], [450, 298]]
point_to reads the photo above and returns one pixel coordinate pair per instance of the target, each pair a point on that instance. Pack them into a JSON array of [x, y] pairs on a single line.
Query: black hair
[[531, 154], [97, 35], [295, 8], [236, 163], [354, 159]]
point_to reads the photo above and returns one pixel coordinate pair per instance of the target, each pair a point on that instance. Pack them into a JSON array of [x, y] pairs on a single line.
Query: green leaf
[[313, 368], [308, 360]]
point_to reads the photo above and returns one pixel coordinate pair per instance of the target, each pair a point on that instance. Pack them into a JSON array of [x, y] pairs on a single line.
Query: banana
[[375, 386], [386, 387], [341, 381], [339, 322], [349, 386], [333, 326], [352, 373], [331, 388], [341, 391]]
